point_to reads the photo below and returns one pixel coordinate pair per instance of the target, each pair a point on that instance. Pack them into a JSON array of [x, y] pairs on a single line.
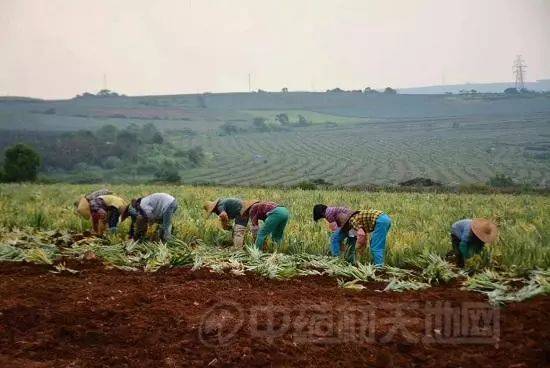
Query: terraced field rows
[[375, 153]]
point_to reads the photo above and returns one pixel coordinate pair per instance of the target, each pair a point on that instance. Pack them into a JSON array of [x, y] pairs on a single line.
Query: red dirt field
[[180, 318]]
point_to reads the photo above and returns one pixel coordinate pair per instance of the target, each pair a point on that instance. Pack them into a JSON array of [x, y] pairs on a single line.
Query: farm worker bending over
[[154, 208], [82, 206], [229, 209], [330, 214], [470, 235], [275, 218], [106, 210], [368, 221]]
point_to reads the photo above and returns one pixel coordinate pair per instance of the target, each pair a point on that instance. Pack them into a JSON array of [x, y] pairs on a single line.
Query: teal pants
[[274, 224]]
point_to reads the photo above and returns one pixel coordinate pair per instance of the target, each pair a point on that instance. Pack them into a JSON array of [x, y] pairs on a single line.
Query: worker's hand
[[333, 226], [224, 220]]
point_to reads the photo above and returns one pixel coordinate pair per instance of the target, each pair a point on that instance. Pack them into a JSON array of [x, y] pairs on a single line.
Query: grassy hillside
[[349, 138]]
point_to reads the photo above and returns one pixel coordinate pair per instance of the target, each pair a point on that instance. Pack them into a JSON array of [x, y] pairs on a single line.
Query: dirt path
[[179, 318]]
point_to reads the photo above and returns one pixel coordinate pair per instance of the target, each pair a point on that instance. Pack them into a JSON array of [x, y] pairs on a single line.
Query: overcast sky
[[59, 48]]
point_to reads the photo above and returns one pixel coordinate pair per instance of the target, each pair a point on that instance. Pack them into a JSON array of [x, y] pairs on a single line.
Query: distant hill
[[285, 138], [542, 85]]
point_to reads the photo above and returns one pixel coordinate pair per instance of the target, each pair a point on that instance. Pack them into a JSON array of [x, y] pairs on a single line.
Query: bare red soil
[[180, 318]]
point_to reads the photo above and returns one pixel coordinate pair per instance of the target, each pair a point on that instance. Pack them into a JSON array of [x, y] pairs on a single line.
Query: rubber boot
[[238, 235]]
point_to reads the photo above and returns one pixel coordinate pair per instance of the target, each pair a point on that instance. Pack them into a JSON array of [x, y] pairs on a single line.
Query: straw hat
[[485, 230], [83, 208], [247, 204], [209, 206]]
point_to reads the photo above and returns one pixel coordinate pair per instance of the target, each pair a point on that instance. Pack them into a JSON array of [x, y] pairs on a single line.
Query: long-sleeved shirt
[[331, 214], [100, 205], [154, 205], [469, 243], [231, 206], [260, 211], [462, 229], [365, 219]]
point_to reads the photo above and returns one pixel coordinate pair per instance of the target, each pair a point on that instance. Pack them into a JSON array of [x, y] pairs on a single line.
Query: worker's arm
[[361, 238], [333, 226], [141, 227], [254, 220], [131, 234], [97, 216], [224, 220]]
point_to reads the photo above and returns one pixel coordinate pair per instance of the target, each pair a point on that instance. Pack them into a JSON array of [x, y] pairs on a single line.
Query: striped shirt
[[365, 219]]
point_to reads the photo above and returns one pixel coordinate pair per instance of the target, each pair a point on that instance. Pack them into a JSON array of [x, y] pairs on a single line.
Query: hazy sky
[[58, 48]]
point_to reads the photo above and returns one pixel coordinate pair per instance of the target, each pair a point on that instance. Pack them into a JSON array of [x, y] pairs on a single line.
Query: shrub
[[511, 91], [21, 163], [282, 119], [157, 138], [229, 129], [107, 133], [259, 123], [195, 155], [500, 181], [168, 175], [306, 185], [168, 172], [302, 121], [321, 181], [112, 162]]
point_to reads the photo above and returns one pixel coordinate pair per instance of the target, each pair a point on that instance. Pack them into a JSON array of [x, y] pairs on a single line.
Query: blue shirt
[[463, 230], [155, 205]]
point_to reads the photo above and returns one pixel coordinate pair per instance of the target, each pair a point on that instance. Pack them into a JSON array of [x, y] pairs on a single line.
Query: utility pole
[[519, 72], [249, 83], [104, 81]]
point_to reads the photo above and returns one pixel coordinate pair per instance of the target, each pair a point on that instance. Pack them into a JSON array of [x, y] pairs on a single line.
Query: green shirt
[[231, 206], [469, 249]]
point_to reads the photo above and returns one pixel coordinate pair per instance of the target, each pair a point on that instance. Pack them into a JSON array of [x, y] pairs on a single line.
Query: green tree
[[195, 155], [21, 163], [390, 91], [283, 119], [107, 133], [229, 129], [511, 91], [370, 91], [302, 121], [259, 123], [168, 172]]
